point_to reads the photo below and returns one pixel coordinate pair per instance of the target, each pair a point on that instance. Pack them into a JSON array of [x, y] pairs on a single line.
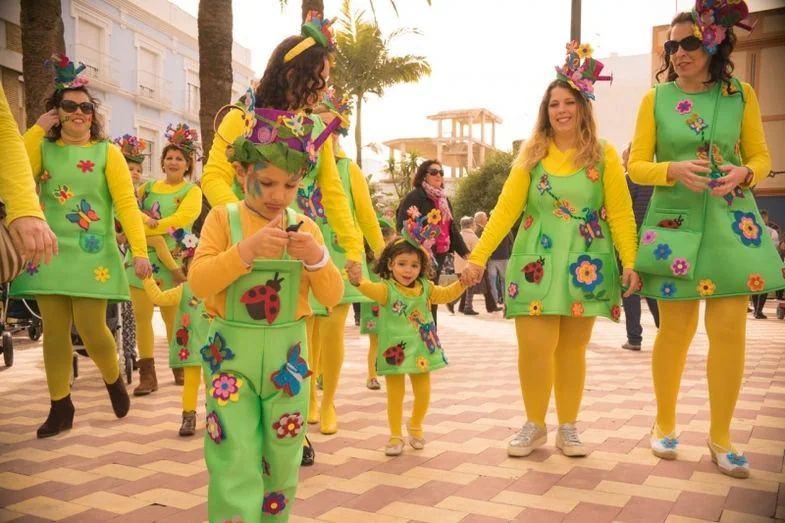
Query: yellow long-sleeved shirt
[[363, 209], [17, 185], [118, 180], [167, 298], [440, 294], [754, 152], [218, 176], [217, 264], [185, 215], [515, 193]]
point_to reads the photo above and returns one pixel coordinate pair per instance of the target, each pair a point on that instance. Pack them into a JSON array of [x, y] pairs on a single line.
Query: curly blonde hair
[[588, 146]]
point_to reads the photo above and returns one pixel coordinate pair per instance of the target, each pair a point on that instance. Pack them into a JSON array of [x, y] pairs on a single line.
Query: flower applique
[[615, 313], [85, 166], [593, 174], [756, 283], [577, 309], [225, 388], [668, 289], [586, 273], [421, 363], [706, 287], [214, 428], [528, 222], [63, 193], [31, 269], [746, 226], [546, 242], [512, 288], [649, 237], [535, 308], [288, 425], [662, 251], [680, 267], [274, 503], [684, 106], [101, 274]]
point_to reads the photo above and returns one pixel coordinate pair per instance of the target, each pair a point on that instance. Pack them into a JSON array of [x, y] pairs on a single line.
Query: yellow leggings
[[726, 326], [396, 388], [330, 331], [314, 353], [143, 316], [552, 355], [373, 345], [89, 316], [193, 377]]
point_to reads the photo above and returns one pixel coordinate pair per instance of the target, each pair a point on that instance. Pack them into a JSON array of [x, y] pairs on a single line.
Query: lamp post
[[575, 21]]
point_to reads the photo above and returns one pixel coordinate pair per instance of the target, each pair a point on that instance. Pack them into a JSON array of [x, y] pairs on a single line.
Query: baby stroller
[[17, 316], [120, 320]]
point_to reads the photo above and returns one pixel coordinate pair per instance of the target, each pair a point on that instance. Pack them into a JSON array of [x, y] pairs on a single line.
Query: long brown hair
[[96, 129], [588, 145]]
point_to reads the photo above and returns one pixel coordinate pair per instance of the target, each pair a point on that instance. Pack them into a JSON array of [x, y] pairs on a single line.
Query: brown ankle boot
[[148, 382], [119, 397], [61, 417], [179, 375], [188, 427]]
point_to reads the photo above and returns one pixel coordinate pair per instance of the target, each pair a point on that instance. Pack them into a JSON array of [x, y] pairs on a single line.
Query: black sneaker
[[309, 456], [760, 316], [471, 313], [631, 346]]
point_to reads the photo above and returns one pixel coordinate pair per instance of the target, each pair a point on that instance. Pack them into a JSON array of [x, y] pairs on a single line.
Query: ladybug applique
[[262, 301], [671, 224], [375, 311], [182, 336], [394, 355], [534, 271]]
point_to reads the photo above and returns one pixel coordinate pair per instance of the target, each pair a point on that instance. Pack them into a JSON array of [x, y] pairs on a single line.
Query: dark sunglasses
[[691, 43], [70, 107], [434, 171]]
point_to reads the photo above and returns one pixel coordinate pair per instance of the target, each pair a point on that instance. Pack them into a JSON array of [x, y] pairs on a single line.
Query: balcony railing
[[153, 87], [101, 67]]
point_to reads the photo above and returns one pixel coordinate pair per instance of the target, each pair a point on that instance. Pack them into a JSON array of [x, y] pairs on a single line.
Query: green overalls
[[191, 326]]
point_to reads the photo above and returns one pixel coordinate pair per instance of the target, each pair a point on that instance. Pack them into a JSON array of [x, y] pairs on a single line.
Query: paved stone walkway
[[139, 470]]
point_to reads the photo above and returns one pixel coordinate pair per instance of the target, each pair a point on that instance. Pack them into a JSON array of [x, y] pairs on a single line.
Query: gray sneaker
[[529, 438], [568, 442], [188, 427]]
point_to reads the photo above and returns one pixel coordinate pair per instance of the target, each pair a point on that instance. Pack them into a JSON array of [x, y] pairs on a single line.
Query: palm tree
[[318, 5], [363, 64], [42, 36], [215, 63]]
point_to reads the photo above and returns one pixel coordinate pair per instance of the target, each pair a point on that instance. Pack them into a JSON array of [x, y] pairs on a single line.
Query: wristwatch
[[321, 263]]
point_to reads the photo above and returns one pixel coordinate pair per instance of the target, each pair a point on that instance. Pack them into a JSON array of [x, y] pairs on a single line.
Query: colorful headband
[[341, 108], [713, 18], [421, 231], [282, 138], [131, 147], [185, 243], [581, 76], [317, 31], [184, 137], [67, 72]]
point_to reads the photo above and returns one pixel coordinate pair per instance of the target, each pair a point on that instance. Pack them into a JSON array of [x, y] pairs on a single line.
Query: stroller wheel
[[34, 332], [129, 369], [8, 349]]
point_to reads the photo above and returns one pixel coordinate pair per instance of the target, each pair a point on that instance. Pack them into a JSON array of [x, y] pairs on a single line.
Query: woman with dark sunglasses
[[83, 181], [430, 199], [703, 237]]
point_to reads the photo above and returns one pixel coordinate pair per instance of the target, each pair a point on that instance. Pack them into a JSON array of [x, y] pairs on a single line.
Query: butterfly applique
[[216, 352], [83, 215], [154, 212], [310, 202], [737, 192], [591, 230], [291, 374], [63, 194], [399, 307]]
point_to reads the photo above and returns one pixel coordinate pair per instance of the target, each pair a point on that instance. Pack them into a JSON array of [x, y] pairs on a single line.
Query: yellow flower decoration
[[535, 308], [101, 274], [434, 217], [706, 287], [585, 51], [422, 363]]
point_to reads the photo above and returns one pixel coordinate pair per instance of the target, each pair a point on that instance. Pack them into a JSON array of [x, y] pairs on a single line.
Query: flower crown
[[581, 76], [713, 18], [420, 230], [67, 72], [132, 147], [317, 31], [185, 243], [184, 137], [340, 107]]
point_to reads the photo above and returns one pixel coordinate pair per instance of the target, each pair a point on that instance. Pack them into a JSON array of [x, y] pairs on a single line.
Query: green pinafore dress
[[191, 326], [255, 361], [408, 343], [369, 312], [563, 261], [695, 245], [75, 198]]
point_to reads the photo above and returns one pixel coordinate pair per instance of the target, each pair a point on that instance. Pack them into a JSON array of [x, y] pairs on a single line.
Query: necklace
[[257, 213]]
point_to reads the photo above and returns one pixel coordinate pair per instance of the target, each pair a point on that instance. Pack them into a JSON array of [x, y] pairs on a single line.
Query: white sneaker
[[529, 438], [729, 462], [568, 442], [664, 447]]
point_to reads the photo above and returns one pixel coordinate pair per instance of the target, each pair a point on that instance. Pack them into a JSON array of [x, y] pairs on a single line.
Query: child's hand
[[178, 276], [152, 223], [268, 242], [142, 268], [303, 247], [355, 271]]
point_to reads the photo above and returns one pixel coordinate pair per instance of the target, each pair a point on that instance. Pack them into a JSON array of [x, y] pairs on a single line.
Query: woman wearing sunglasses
[[428, 198], [83, 181], [699, 140]]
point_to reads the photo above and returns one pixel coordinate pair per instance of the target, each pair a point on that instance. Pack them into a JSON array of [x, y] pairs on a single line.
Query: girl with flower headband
[[328, 341], [256, 264], [83, 180], [703, 236], [570, 187], [191, 324], [408, 342], [172, 203]]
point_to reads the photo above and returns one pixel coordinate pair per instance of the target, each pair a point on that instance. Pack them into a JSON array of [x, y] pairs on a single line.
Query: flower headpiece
[[67, 72], [581, 76], [282, 138], [713, 18], [317, 31], [131, 147], [420, 230], [185, 243], [184, 137], [340, 107]]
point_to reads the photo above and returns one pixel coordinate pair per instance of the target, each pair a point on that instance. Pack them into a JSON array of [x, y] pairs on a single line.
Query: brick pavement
[[139, 470]]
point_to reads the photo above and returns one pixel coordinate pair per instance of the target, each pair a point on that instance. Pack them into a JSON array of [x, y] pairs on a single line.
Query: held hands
[[631, 282], [34, 239], [354, 270], [472, 275], [48, 120], [142, 268], [152, 222], [735, 175], [689, 173]]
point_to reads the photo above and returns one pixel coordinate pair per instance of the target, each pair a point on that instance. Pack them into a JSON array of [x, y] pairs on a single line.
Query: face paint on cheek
[[255, 188]]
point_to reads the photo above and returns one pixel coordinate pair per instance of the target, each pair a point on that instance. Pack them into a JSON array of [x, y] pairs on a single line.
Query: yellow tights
[[143, 318], [552, 355], [396, 388], [193, 377], [726, 326], [314, 353], [89, 316], [373, 345], [330, 331]]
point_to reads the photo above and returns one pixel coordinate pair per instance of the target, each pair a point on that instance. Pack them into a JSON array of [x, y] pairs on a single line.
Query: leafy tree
[[480, 190], [402, 173]]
